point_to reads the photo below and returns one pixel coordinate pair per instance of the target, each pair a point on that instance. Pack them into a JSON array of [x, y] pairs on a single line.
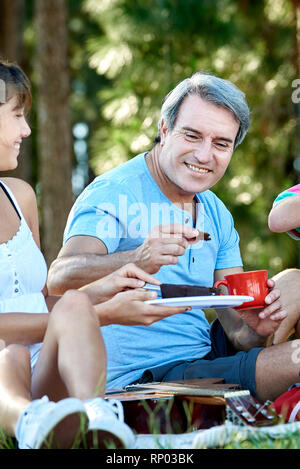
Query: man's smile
[[197, 169]]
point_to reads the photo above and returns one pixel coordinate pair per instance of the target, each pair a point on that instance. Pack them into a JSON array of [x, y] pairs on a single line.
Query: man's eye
[[223, 146], [191, 136]]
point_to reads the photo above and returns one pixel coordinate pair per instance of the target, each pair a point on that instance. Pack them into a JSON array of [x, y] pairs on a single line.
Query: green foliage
[[126, 55], [143, 48]]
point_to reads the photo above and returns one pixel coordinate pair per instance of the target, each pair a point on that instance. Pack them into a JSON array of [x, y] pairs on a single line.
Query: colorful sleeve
[[295, 190]]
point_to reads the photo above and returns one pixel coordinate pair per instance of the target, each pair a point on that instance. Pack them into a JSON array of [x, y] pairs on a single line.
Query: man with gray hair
[[213, 90], [114, 222]]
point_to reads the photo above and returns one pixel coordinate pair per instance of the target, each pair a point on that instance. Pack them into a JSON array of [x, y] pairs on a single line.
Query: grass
[[289, 441], [257, 440], [6, 442]]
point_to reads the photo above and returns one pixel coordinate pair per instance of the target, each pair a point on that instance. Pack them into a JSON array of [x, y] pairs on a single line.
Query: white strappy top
[[23, 274]]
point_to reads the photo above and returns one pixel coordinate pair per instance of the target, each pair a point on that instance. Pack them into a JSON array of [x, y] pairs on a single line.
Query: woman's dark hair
[[14, 82]]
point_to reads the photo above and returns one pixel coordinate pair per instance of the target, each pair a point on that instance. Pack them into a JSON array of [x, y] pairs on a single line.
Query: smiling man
[[193, 156], [152, 211]]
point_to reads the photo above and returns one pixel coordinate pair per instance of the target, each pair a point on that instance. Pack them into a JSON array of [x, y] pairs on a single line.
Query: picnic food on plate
[[169, 290]]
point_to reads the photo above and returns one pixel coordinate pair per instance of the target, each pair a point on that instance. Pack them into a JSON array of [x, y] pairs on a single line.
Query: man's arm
[[251, 328], [84, 259]]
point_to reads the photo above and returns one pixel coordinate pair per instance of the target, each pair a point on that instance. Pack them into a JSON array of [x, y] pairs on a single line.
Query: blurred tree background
[[122, 57]]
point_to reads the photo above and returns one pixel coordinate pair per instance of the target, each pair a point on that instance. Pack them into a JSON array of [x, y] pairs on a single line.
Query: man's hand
[[128, 308], [164, 244], [267, 320], [127, 277]]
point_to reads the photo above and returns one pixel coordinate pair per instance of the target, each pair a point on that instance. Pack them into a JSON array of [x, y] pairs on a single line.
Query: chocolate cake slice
[[169, 290]]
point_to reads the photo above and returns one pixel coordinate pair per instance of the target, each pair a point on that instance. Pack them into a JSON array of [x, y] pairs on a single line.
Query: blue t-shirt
[[120, 207]]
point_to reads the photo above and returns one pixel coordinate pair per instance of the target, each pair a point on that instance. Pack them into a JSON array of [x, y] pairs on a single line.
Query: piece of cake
[[169, 290]]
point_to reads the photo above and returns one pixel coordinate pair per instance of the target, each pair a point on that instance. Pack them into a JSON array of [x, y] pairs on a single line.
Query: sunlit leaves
[[147, 46]]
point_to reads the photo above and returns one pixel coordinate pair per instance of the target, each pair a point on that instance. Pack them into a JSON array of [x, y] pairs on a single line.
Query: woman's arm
[[285, 215], [23, 328]]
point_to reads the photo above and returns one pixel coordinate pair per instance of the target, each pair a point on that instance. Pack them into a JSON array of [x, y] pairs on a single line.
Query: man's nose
[[204, 151]]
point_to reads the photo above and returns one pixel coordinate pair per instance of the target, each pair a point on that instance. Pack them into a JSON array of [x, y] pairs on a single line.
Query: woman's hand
[[128, 308], [127, 277]]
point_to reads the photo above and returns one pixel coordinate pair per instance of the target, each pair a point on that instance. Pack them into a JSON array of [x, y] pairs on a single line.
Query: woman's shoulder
[[17, 185], [22, 191]]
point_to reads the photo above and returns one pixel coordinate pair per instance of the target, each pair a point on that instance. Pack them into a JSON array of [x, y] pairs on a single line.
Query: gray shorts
[[223, 361]]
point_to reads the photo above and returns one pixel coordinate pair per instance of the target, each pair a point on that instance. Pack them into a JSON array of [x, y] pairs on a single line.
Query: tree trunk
[[12, 49], [54, 122], [11, 27]]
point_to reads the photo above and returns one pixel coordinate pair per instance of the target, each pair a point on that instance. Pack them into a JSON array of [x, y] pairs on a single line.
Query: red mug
[[253, 283]]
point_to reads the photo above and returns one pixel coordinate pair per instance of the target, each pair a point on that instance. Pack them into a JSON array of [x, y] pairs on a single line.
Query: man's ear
[[163, 132]]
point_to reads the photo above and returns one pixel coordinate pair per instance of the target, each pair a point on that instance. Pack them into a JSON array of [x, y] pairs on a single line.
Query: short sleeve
[[98, 213], [292, 191], [295, 190]]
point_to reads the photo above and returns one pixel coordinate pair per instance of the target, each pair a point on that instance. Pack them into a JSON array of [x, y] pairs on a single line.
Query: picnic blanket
[[213, 437]]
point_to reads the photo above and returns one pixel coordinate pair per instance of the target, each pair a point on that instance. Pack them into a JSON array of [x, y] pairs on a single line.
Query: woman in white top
[[53, 365]]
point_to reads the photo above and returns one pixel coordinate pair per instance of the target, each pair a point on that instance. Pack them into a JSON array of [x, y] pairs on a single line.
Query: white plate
[[215, 301]]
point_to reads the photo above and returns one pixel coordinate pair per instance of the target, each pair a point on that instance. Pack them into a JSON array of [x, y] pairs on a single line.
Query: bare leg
[[277, 368], [15, 380], [288, 283], [72, 360], [71, 363]]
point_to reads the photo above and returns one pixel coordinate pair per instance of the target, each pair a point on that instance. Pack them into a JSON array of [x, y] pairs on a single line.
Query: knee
[[287, 277], [74, 306], [72, 301], [77, 300], [15, 355], [288, 282]]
